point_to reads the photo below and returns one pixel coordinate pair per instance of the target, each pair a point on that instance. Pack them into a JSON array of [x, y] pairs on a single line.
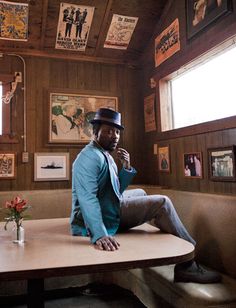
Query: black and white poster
[[73, 26]]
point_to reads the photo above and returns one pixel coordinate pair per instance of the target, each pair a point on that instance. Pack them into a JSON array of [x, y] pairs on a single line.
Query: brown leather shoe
[[193, 272]]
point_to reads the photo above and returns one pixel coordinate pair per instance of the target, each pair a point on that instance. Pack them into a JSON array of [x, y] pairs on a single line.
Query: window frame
[[165, 95], [7, 135]]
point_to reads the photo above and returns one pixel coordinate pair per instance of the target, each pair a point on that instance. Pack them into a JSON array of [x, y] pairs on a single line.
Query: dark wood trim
[[57, 55], [9, 139], [201, 128]]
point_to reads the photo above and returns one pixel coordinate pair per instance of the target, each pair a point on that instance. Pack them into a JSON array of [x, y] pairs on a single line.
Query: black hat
[[107, 116]]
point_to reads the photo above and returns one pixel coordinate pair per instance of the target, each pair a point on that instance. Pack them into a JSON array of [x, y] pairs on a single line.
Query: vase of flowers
[[15, 209]]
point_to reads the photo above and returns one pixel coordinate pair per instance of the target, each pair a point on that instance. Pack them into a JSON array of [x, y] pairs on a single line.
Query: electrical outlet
[[18, 76], [25, 157]]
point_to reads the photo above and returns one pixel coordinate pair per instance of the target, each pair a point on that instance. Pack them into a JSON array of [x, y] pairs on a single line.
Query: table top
[[50, 250]]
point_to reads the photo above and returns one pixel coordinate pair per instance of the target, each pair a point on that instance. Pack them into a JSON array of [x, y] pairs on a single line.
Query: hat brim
[[108, 123]]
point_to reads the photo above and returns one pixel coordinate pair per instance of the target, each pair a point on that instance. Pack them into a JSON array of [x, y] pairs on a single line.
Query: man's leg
[[138, 210]]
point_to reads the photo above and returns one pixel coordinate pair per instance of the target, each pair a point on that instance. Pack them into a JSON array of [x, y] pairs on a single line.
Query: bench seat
[[194, 295]]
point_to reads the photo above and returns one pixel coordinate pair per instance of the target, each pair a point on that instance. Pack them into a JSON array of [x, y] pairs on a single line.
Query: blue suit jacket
[[96, 193]]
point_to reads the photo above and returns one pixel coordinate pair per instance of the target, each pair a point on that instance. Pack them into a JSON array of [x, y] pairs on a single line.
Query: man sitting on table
[[100, 210]]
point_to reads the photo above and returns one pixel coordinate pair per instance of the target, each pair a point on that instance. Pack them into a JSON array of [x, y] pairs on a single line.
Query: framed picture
[[7, 165], [70, 115], [193, 165], [51, 166], [164, 159], [201, 13], [222, 163]]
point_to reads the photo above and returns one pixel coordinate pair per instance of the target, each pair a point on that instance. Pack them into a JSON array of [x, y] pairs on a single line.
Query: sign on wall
[[120, 31], [149, 113], [73, 26], [13, 21], [167, 43]]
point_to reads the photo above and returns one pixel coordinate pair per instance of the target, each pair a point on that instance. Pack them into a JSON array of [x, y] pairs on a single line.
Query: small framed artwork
[[201, 13], [51, 166], [193, 165], [70, 115], [7, 165], [222, 163], [164, 159]]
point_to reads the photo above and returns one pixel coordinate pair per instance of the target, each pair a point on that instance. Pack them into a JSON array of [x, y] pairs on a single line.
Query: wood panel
[[84, 77]]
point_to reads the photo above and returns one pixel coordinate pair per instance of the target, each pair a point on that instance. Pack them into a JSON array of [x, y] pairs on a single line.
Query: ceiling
[[43, 21]]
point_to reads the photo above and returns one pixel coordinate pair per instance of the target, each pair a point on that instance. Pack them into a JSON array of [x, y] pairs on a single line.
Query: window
[[0, 109], [203, 93], [6, 135]]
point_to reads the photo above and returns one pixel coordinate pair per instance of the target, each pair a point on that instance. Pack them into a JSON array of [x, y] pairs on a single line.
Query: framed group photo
[[201, 13], [222, 163], [51, 166], [193, 165], [70, 115], [7, 165], [164, 159]]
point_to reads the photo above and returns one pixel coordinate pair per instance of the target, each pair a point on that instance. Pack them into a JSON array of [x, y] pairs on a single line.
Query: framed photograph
[[70, 115], [7, 165], [164, 159], [193, 165], [201, 13], [222, 163], [51, 166]]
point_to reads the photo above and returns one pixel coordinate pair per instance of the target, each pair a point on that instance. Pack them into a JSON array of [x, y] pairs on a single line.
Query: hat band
[[107, 120]]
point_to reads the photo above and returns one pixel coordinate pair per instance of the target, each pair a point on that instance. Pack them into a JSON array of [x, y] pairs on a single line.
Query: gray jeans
[[137, 208]]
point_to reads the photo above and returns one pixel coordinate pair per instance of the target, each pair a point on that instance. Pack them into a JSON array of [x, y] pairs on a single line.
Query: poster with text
[[120, 31], [73, 26], [149, 113], [13, 21], [167, 43]]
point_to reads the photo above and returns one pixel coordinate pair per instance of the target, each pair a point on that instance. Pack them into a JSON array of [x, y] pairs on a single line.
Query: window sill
[[9, 139], [197, 129]]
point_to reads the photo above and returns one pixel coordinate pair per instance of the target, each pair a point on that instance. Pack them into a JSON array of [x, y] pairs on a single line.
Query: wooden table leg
[[35, 293]]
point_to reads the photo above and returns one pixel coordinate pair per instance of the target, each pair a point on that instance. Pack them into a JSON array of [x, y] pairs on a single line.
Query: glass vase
[[18, 234]]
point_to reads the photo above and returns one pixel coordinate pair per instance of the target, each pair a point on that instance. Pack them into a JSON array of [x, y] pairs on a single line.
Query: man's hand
[[124, 157], [108, 243]]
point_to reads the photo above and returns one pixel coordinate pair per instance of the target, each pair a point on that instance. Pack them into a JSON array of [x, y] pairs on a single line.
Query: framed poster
[[222, 164], [51, 166], [7, 165], [70, 115], [193, 165], [164, 159], [201, 13], [149, 113]]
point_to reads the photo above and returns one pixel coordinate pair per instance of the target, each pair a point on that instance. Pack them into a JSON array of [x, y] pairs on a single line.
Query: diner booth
[[139, 58]]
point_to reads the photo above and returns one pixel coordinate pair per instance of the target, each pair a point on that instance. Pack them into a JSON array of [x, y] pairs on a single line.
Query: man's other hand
[[124, 157], [108, 243]]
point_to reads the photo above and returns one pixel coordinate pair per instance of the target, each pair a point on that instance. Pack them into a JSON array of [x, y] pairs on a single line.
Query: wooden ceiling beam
[[57, 55], [103, 26], [44, 22]]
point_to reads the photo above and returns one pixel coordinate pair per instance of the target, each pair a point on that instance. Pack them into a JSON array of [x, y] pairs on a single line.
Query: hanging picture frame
[[202, 13]]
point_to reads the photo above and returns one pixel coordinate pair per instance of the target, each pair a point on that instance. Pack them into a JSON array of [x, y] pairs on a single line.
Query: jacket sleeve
[[86, 172], [125, 178]]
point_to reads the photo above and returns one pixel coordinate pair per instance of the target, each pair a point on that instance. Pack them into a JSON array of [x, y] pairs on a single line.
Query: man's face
[[108, 137]]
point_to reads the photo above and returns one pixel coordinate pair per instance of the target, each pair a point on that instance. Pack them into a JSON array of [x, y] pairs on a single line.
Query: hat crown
[[108, 116]]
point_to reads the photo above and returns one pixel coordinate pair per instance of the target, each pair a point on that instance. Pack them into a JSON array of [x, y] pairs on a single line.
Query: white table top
[[50, 250]]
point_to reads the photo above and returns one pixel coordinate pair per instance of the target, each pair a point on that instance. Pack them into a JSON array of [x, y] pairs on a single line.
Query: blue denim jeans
[[137, 208]]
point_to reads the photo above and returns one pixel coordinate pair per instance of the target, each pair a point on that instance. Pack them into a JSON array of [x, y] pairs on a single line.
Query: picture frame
[[8, 165], [193, 166], [200, 14], [222, 163], [70, 115], [164, 159], [51, 166]]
